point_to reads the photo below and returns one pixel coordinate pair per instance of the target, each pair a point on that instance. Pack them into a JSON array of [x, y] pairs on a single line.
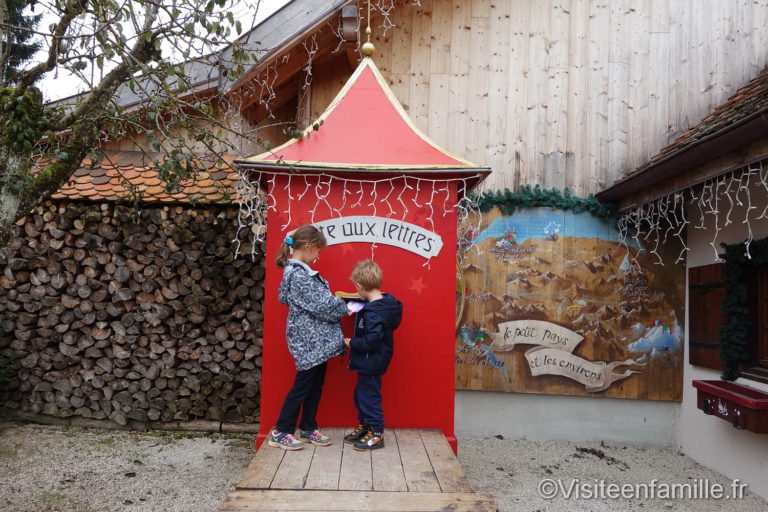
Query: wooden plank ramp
[[416, 471]]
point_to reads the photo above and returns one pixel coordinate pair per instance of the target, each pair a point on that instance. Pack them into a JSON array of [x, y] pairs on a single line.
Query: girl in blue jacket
[[313, 332]]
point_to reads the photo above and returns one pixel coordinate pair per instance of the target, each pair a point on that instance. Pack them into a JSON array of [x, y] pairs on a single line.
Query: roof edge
[[735, 135], [473, 176], [288, 41]]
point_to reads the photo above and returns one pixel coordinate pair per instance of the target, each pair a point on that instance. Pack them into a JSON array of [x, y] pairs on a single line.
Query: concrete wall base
[[571, 418]]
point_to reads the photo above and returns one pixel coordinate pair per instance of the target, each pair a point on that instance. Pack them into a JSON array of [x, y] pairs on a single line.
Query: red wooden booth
[[380, 189]]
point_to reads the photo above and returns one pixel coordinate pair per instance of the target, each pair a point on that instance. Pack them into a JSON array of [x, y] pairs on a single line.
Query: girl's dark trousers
[[306, 391]]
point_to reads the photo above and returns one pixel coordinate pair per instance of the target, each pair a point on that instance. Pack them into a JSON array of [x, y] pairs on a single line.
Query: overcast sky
[[56, 86]]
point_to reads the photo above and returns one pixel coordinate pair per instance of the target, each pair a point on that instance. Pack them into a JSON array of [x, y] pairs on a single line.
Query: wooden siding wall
[[564, 93], [229, 141]]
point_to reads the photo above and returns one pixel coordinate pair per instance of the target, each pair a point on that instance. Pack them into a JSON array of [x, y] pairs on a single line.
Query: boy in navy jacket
[[371, 350]]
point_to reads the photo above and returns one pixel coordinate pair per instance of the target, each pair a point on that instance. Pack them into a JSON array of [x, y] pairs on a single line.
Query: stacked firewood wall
[[108, 312]]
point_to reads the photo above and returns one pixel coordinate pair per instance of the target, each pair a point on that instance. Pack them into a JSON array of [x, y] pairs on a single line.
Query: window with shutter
[[757, 284], [706, 293]]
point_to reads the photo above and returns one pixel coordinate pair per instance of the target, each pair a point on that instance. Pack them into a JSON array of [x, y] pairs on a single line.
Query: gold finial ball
[[368, 49]]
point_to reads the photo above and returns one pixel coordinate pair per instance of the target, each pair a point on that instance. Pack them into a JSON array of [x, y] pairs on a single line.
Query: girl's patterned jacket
[[313, 330]]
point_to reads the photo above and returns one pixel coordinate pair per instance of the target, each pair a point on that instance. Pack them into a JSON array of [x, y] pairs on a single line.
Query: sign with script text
[[381, 230], [552, 355]]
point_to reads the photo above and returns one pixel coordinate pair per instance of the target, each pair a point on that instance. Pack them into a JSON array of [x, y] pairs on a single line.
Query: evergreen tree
[[22, 42]]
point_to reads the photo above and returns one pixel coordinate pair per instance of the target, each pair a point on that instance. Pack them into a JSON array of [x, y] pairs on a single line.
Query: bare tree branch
[[72, 10], [141, 52]]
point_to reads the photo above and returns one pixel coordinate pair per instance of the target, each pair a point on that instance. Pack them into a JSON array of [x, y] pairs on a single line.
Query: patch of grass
[[214, 436], [176, 434], [103, 444], [238, 444], [73, 431], [10, 453], [50, 500], [240, 437]]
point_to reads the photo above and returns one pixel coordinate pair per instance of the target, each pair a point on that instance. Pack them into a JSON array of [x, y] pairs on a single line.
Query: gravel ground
[[513, 472], [49, 468]]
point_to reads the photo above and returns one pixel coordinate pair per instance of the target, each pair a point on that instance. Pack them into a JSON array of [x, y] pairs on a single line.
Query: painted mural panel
[[556, 303]]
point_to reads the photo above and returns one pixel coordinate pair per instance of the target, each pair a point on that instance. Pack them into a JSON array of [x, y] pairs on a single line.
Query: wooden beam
[[285, 64], [262, 468], [358, 501], [444, 462], [419, 473], [283, 94], [326, 463]]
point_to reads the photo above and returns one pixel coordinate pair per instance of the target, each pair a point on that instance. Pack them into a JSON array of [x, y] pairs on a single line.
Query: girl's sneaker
[[316, 437], [284, 440], [357, 434], [371, 441]]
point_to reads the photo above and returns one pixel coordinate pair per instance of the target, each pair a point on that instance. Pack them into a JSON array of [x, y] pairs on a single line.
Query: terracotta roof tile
[[100, 180], [131, 174], [156, 190], [104, 182], [151, 180], [748, 100]]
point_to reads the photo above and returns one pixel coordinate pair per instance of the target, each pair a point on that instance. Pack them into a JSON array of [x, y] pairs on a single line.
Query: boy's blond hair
[[367, 274]]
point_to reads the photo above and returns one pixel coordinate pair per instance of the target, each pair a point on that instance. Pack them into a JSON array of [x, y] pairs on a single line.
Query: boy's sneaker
[[371, 441], [357, 434], [316, 437], [284, 440]]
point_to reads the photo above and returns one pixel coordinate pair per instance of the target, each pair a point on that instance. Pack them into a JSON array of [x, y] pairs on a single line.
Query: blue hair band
[[288, 240]]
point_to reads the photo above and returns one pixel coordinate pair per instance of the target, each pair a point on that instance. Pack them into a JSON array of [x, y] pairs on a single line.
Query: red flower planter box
[[744, 407]]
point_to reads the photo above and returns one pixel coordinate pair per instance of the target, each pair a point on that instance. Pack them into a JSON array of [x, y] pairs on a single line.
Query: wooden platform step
[[325, 501], [416, 470]]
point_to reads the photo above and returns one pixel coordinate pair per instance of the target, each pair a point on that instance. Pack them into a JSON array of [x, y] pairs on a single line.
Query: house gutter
[[740, 133]]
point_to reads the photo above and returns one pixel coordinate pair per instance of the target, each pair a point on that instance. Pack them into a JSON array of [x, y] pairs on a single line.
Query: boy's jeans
[[368, 401]]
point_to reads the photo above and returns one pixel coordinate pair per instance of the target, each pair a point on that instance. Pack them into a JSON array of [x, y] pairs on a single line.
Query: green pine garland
[[527, 197], [736, 332]]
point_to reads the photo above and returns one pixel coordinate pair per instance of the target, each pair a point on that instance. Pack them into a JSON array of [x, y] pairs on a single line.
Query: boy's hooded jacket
[[372, 345], [313, 329]]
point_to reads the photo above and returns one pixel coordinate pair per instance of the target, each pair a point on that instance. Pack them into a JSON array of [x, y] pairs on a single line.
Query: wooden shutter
[[762, 323], [706, 293], [758, 296]]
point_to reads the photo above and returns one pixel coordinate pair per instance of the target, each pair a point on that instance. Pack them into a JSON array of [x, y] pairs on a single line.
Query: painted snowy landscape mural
[[560, 303]]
